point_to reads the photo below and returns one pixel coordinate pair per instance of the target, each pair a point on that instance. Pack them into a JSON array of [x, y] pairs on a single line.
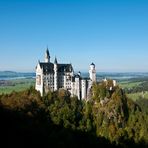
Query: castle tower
[[78, 87], [55, 74], [92, 72], [47, 56], [84, 88], [39, 78]]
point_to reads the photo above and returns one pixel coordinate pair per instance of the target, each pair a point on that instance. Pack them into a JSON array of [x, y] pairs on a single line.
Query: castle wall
[[77, 90], [48, 81]]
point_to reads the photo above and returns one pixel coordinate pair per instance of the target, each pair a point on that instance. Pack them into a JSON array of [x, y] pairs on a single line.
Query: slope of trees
[[108, 119]]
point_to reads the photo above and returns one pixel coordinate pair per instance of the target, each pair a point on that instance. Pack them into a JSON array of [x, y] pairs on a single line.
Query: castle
[[55, 76]]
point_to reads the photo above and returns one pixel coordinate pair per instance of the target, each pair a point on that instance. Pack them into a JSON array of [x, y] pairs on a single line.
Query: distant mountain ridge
[[5, 75], [7, 72]]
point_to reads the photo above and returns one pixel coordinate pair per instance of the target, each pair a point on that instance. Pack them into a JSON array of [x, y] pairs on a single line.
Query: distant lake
[[118, 76], [9, 75]]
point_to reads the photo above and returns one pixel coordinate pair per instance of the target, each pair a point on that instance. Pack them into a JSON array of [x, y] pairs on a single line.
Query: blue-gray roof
[[49, 67]]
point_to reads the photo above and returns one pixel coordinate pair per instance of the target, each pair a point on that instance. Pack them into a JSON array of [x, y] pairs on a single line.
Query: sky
[[113, 34]]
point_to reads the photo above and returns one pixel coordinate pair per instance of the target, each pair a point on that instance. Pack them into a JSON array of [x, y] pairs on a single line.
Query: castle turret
[[55, 74], [47, 56], [92, 72]]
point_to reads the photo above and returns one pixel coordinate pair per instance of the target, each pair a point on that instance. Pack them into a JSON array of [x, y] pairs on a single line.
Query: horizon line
[[82, 71]]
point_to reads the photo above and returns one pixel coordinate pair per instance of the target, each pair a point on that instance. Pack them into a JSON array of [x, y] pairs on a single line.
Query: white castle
[[55, 76]]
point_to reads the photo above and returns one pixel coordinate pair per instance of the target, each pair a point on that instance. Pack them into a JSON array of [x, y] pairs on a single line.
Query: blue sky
[[111, 33]]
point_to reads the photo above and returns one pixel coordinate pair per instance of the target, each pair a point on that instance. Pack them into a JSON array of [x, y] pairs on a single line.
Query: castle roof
[[85, 78], [49, 67], [92, 64], [81, 78], [65, 68]]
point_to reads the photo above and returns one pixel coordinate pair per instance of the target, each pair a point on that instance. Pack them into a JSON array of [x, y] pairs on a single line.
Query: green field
[[18, 85], [129, 84], [135, 96]]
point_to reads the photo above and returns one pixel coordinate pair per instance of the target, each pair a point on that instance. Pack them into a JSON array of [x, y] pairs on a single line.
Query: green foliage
[[143, 103], [62, 109], [108, 114], [115, 115]]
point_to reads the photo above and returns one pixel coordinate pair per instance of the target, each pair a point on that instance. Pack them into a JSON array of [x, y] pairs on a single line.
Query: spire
[[55, 61], [47, 56], [47, 52]]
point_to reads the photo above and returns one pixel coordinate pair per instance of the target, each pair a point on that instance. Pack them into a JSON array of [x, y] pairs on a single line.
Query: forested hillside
[[108, 119]]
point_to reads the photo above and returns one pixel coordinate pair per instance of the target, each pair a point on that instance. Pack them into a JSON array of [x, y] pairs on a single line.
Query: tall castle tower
[[92, 72], [55, 74]]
